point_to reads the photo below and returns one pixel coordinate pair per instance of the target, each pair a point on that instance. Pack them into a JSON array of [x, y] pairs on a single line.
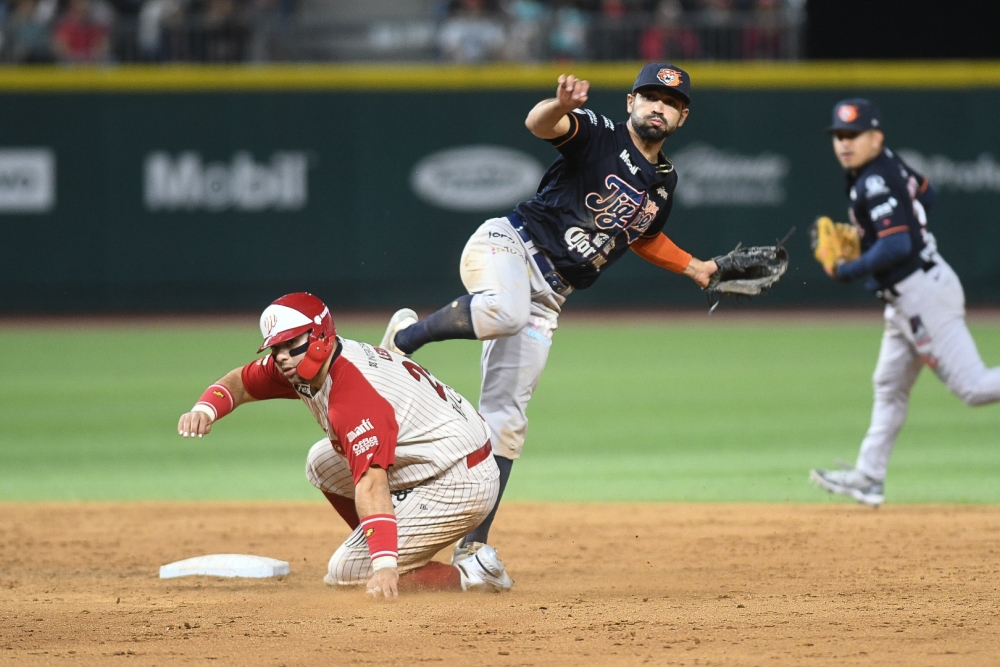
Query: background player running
[[925, 304], [610, 189], [407, 462]]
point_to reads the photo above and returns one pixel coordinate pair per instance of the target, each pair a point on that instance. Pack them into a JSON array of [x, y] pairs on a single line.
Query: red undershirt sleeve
[[263, 380]]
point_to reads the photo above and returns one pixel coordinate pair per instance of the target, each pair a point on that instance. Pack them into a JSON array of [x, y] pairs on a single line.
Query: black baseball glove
[[747, 271]]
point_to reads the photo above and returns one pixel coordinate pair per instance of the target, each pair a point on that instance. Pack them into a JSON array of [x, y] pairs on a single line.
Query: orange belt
[[480, 455]]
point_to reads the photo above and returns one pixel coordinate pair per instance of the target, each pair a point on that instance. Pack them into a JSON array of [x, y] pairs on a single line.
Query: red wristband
[[381, 532], [217, 402]]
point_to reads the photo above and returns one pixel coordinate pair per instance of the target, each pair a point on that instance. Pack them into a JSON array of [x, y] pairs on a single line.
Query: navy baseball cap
[[664, 75], [855, 115]]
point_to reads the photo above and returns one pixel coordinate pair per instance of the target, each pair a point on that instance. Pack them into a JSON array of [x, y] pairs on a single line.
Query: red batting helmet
[[293, 315]]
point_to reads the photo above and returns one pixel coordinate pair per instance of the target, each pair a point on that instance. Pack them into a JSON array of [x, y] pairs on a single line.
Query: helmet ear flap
[[318, 352]]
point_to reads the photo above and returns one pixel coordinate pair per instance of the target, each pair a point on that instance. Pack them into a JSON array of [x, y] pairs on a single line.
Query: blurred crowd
[[480, 30], [102, 31]]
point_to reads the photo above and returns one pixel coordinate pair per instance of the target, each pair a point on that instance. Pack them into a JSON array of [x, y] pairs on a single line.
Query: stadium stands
[[468, 31]]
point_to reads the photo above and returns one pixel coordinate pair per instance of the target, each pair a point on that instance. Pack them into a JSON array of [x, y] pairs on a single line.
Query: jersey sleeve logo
[[591, 116], [669, 77], [362, 428], [875, 186], [884, 209], [362, 446]]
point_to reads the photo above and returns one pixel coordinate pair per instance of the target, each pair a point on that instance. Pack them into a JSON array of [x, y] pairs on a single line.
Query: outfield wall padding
[[132, 199]]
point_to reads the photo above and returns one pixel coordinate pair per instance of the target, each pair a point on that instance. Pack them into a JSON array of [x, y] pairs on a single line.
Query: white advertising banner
[[27, 180]]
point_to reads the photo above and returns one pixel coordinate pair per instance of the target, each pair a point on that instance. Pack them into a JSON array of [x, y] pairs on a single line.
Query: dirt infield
[[662, 584]]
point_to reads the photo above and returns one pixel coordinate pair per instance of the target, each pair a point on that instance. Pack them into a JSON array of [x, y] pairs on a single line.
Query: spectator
[[27, 33], [610, 39], [225, 32], [270, 21], [177, 30], [3, 24], [568, 37], [526, 19], [719, 37], [471, 34], [668, 38], [83, 33], [128, 9], [152, 17], [764, 38]]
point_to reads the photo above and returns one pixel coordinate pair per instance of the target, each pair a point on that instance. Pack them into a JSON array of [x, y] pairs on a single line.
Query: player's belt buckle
[[549, 273], [480, 455]]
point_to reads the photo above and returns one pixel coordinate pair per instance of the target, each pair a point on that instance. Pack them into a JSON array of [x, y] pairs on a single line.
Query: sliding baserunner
[[406, 462]]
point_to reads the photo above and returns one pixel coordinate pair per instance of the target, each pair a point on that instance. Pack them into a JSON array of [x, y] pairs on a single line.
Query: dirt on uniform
[[601, 584]]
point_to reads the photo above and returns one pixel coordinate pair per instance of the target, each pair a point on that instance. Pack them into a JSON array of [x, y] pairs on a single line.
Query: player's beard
[[650, 133]]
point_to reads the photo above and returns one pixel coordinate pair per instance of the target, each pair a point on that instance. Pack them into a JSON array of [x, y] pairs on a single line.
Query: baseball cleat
[[400, 320], [852, 483], [484, 571], [463, 551]]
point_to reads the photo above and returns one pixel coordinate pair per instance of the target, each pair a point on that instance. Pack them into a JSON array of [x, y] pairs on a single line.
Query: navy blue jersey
[[888, 197], [599, 196]]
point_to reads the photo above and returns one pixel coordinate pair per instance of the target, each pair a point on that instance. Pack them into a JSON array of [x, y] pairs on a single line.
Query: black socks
[[482, 533], [454, 321]]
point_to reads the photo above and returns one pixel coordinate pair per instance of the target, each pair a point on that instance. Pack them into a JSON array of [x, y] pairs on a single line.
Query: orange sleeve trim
[[924, 185], [893, 230], [663, 252], [576, 128]]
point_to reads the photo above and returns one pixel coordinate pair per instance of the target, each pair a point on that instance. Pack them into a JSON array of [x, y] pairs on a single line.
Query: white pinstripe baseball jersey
[[381, 409]]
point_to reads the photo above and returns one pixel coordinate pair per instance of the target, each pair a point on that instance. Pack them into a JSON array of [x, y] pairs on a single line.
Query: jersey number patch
[[446, 393]]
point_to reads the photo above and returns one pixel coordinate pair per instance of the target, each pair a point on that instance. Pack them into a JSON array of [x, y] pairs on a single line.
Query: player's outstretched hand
[[384, 584], [572, 92], [701, 272], [194, 424]]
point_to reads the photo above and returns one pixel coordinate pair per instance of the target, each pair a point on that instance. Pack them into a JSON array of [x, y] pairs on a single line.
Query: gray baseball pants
[[514, 313], [924, 325]]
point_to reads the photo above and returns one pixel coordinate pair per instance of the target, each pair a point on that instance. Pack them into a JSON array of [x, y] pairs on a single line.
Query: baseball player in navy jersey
[[610, 190], [406, 462], [925, 305]]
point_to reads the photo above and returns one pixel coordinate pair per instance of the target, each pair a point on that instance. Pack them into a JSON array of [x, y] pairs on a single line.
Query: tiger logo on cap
[[847, 113], [669, 77]]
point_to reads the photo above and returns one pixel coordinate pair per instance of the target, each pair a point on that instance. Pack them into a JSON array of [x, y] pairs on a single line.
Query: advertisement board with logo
[[221, 201]]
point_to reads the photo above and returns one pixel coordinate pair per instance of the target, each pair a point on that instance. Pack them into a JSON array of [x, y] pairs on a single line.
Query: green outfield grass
[[638, 411]]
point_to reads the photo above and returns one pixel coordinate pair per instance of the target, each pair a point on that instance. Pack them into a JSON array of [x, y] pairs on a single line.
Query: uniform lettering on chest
[[628, 162], [621, 208]]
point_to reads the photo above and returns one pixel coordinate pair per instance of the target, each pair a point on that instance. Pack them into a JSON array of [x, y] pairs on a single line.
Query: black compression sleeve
[[452, 322]]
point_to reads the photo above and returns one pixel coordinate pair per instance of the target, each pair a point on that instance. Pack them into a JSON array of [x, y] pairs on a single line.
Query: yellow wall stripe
[[849, 75]]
